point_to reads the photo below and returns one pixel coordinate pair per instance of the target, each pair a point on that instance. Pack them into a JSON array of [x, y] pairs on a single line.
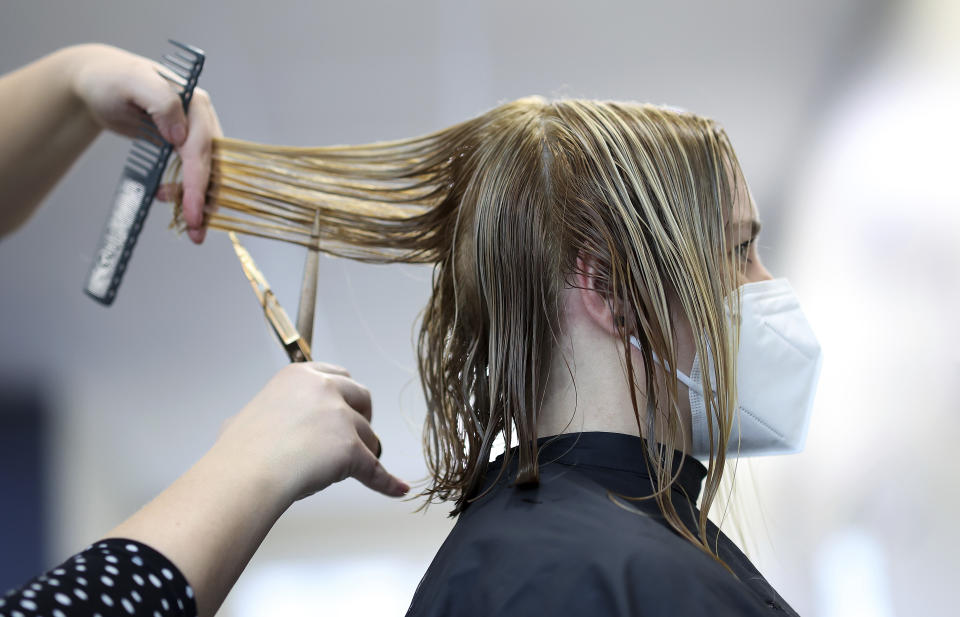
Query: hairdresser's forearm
[[210, 522], [44, 127]]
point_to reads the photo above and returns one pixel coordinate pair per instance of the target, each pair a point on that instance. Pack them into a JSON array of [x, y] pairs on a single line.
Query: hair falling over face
[[501, 205]]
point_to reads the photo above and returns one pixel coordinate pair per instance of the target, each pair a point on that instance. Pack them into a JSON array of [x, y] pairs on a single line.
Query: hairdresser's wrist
[[252, 471], [57, 81], [81, 64], [71, 62]]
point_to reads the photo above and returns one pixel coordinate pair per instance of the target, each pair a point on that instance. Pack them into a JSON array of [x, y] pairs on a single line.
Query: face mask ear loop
[[688, 382], [683, 377], [654, 452], [680, 375]]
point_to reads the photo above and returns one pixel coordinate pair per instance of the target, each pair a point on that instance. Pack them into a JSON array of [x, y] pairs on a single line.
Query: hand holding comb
[[139, 180]]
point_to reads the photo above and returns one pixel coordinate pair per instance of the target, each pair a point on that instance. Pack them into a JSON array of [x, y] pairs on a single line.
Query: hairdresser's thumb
[[172, 124], [165, 109]]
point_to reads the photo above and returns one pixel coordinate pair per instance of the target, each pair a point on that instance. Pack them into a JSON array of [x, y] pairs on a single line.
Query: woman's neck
[[587, 389]]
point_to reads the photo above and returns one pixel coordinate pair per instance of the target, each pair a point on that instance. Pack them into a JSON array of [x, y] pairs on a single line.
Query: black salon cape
[[564, 548]]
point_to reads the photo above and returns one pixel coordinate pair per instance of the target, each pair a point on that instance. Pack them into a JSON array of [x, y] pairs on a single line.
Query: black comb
[[141, 176]]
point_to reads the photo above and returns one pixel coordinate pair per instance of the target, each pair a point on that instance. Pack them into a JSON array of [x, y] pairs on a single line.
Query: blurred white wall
[[873, 237], [840, 112]]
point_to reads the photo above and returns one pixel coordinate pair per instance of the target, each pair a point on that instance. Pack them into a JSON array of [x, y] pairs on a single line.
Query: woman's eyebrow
[[753, 224]]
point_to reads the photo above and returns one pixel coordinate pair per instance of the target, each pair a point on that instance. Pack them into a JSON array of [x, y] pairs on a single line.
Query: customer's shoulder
[[565, 519], [522, 552], [570, 547]]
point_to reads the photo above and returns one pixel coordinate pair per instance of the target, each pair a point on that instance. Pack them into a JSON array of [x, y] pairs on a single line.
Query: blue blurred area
[[23, 481]]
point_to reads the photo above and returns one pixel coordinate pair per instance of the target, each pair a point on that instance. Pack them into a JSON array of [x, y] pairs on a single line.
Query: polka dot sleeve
[[114, 577]]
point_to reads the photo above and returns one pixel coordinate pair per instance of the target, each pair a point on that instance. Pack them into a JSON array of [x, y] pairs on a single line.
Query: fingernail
[[179, 133]]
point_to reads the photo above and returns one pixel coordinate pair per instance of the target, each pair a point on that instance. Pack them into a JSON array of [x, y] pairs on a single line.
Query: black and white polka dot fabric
[[114, 577]]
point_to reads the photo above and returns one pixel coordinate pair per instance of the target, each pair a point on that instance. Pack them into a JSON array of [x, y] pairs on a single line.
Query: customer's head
[[642, 206]]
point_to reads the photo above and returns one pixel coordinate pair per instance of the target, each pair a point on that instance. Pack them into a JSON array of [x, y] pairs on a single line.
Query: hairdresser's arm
[[52, 109], [307, 429]]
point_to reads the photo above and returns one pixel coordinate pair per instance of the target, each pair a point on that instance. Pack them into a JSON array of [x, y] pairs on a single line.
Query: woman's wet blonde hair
[[502, 205]]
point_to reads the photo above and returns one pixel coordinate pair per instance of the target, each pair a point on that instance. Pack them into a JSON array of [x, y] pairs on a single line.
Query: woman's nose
[[758, 273]]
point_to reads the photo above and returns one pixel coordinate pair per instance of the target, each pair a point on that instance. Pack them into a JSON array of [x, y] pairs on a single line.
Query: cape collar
[[616, 452]]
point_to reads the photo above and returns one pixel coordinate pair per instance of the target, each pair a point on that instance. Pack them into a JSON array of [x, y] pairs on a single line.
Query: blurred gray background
[[840, 112]]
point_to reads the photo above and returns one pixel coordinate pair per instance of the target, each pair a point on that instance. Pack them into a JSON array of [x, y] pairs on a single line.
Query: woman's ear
[[595, 299]]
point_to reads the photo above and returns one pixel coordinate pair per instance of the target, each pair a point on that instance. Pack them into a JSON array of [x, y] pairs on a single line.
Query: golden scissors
[[296, 340]]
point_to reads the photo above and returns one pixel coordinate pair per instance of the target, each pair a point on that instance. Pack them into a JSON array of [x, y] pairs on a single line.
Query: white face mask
[[777, 371]]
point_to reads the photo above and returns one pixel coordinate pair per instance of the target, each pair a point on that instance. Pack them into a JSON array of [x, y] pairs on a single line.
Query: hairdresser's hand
[[119, 89], [307, 429]]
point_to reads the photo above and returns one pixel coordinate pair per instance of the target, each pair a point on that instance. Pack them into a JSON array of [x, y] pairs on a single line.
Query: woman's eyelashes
[[742, 250]]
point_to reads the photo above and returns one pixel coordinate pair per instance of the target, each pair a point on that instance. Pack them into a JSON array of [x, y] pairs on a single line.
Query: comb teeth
[[184, 66], [185, 62], [146, 148], [194, 52], [147, 151], [136, 158], [178, 65], [148, 133], [174, 79]]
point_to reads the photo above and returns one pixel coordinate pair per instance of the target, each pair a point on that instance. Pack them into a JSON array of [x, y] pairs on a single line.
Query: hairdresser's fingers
[[195, 153], [366, 468], [370, 440], [155, 96], [167, 192], [326, 367], [356, 395]]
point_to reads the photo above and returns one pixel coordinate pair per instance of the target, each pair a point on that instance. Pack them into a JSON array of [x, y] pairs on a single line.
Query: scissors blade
[[297, 349], [308, 288]]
